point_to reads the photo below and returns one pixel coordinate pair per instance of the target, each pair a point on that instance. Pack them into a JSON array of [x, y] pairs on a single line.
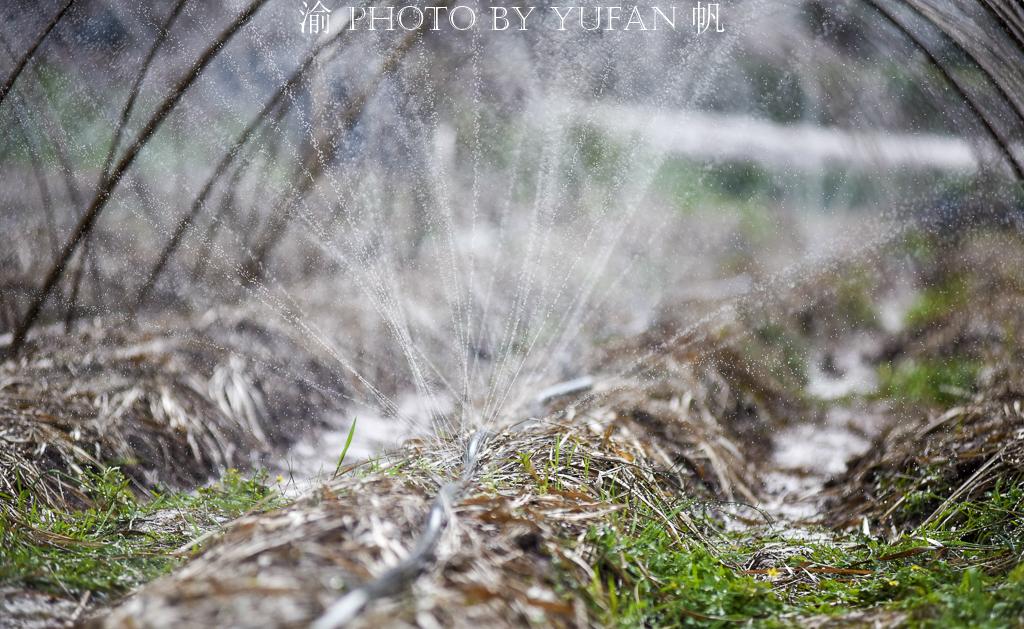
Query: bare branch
[[133, 93], [9, 83], [309, 172], [107, 186], [222, 167]]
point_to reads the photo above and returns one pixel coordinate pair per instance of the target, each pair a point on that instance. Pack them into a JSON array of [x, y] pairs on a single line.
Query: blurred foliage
[[778, 94], [934, 381], [855, 304], [935, 303], [690, 184], [782, 352]]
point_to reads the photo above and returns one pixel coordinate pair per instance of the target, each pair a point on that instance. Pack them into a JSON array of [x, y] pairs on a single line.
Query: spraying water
[[457, 217]]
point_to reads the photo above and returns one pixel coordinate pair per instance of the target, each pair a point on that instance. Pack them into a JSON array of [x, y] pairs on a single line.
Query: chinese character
[[706, 15], [317, 19]]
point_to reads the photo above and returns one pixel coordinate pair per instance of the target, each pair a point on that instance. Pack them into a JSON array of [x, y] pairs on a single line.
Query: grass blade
[[348, 442]]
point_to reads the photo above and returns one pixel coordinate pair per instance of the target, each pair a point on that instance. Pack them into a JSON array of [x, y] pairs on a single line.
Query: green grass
[[641, 578], [348, 443], [961, 571], [936, 381], [119, 542]]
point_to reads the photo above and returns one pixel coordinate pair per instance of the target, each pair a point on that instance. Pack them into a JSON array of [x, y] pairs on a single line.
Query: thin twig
[[20, 66], [133, 93], [222, 167], [309, 172], [76, 283]]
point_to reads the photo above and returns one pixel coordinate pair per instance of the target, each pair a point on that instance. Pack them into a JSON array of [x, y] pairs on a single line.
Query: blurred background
[[456, 218]]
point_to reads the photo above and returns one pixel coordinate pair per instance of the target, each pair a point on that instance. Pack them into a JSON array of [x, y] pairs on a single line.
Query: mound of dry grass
[[516, 543], [958, 389], [918, 470], [175, 407]]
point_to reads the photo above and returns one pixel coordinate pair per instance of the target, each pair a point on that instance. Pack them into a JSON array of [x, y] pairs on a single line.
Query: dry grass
[[517, 533], [955, 456], [174, 408], [958, 443]]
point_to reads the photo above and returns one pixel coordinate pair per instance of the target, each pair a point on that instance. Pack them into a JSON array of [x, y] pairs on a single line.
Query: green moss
[[120, 541]]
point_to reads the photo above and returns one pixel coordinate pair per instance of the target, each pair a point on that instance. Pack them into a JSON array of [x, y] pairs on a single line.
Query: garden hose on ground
[[399, 577]]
